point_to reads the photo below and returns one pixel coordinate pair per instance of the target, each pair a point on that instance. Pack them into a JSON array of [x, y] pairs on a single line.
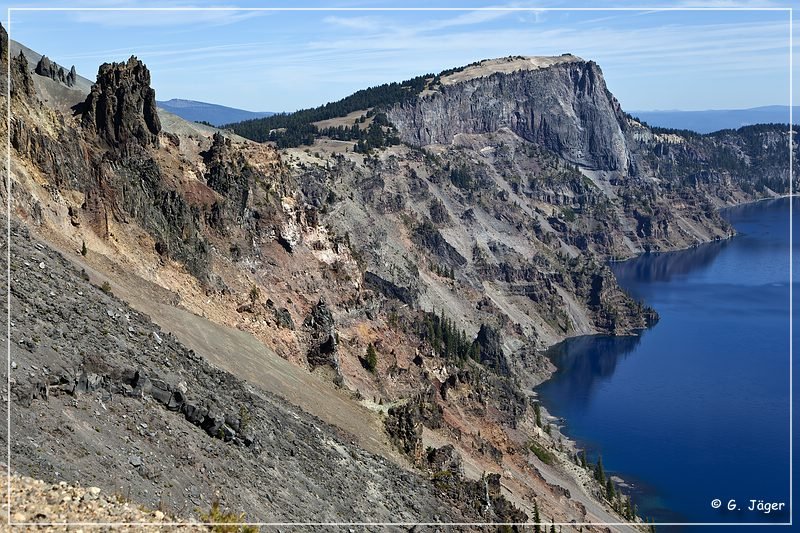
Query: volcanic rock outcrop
[[320, 325], [122, 106], [52, 70]]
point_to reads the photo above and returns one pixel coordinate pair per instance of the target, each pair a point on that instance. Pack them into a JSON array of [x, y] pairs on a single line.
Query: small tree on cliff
[[536, 518], [599, 473], [611, 493], [254, 294], [372, 358]]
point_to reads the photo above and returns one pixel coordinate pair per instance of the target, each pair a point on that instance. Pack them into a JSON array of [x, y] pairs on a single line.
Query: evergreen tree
[[84, 250], [611, 493], [536, 518], [599, 473], [372, 358], [537, 412]]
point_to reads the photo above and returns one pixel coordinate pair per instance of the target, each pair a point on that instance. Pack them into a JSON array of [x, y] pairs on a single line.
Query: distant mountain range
[[718, 119], [214, 114]]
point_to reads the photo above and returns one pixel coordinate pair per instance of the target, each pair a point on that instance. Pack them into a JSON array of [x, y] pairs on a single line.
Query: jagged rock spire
[[121, 106]]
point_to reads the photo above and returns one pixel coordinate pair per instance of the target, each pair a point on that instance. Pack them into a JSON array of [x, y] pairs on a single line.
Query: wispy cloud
[[359, 23], [175, 14]]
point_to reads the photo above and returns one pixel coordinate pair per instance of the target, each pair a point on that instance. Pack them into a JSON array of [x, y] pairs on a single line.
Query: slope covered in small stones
[[52, 507], [127, 408]]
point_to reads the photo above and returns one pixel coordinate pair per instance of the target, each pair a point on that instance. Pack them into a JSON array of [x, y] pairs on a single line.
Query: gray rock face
[[491, 353], [122, 106], [21, 82], [321, 326], [3, 56], [52, 70], [565, 107], [230, 175]]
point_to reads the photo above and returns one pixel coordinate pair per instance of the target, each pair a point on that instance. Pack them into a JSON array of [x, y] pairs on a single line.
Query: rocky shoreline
[[558, 423]]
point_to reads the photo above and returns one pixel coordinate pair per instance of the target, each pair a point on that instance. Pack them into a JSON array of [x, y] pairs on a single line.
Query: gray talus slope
[[80, 412]]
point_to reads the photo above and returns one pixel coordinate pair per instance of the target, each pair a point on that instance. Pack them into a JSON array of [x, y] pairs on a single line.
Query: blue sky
[[275, 61]]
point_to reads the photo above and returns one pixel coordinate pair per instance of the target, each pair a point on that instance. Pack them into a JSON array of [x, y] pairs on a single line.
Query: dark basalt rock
[[3, 57], [284, 318], [52, 70], [438, 212], [88, 383], [321, 327], [121, 106], [444, 458], [21, 82], [491, 350], [230, 175], [388, 289], [427, 236], [484, 494], [404, 427], [194, 413], [404, 422]]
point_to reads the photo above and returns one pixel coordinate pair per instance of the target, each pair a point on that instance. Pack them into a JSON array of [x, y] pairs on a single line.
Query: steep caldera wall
[[565, 107]]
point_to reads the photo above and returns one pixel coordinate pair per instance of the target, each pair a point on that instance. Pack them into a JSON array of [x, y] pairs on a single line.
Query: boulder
[[228, 434], [194, 413], [87, 382], [141, 385], [161, 391], [176, 401], [284, 318], [213, 423]]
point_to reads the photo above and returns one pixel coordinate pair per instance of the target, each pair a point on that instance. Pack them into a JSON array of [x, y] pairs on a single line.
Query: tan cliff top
[[507, 65]]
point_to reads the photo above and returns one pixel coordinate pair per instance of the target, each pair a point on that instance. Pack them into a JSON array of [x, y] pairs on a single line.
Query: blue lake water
[[697, 407]]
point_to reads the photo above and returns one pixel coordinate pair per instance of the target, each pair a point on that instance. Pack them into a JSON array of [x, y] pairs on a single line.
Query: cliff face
[[564, 107]]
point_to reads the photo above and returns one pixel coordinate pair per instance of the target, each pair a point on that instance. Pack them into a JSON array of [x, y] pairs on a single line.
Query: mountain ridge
[[214, 114], [711, 120]]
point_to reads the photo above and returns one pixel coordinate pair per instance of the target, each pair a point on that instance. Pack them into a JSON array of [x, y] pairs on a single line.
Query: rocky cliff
[[51, 70], [121, 107], [560, 103]]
